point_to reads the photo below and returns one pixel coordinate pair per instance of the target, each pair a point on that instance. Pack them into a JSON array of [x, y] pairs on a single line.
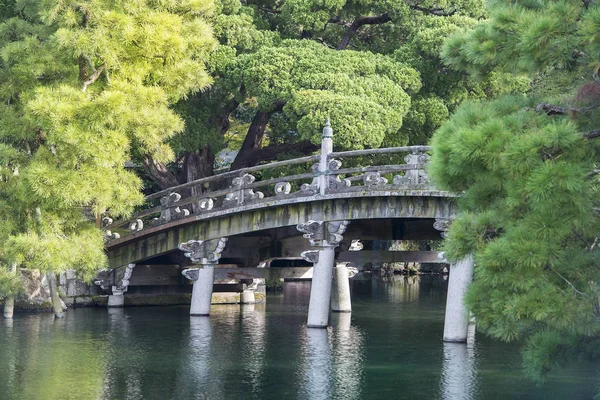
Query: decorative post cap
[[327, 131]]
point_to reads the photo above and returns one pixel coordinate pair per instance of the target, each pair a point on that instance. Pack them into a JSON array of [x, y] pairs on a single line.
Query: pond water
[[390, 347]]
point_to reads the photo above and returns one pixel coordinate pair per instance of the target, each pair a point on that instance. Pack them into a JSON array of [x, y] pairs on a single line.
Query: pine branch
[[592, 134], [567, 281], [440, 12], [359, 22], [551, 109], [94, 77], [269, 10]]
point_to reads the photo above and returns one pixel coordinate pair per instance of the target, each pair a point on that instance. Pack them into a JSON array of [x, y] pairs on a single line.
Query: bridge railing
[[388, 169]]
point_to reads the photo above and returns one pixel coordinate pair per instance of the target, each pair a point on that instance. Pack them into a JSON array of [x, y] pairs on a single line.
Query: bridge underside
[[270, 232]]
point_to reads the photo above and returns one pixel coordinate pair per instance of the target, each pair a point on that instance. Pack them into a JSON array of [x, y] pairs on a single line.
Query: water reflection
[[459, 378], [348, 357], [120, 381], [384, 349], [317, 383], [253, 344], [196, 376]]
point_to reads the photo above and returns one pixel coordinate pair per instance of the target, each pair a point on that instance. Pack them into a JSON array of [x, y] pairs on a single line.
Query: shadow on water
[[390, 346]]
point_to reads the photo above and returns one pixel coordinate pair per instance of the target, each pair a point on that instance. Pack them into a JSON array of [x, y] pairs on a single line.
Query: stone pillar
[[326, 149], [340, 296], [9, 302], [205, 253], [324, 236], [203, 279], [456, 321], [247, 297], [117, 298]]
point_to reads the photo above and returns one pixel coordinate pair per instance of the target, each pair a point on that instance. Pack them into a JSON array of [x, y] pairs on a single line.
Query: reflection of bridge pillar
[[340, 296], [456, 322], [459, 379], [317, 366], [325, 236], [348, 358], [207, 254]]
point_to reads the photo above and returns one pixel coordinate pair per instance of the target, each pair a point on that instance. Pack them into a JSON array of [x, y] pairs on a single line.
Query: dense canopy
[[528, 170]]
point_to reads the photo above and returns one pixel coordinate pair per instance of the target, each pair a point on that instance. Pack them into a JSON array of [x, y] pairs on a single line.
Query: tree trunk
[[196, 165], [160, 174], [253, 140], [9, 302], [56, 304]]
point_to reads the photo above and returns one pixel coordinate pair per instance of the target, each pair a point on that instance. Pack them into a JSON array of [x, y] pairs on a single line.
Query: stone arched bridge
[[254, 214]]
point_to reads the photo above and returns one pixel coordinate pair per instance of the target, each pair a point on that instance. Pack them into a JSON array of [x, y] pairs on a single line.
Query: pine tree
[[268, 109], [83, 86], [528, 167]]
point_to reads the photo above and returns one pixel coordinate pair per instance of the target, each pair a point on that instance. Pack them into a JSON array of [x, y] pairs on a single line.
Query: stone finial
[[311, 256], [170, 210], [327, 131], [321, 233], [335, 182], [240, 194], [442, 225], [203, 251], [191, 273], [313, 231]]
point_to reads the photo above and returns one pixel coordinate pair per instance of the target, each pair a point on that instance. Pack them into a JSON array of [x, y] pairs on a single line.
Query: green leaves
[[10, 284], [528, 210], [365, 95], [84, 87]]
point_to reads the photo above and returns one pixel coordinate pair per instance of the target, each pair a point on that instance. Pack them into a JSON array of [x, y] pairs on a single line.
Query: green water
[[389, 348]]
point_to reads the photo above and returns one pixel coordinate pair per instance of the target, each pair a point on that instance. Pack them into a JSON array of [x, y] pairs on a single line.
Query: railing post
[[326, 150]]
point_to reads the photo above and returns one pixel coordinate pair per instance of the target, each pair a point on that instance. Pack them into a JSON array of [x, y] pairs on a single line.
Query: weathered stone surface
[[279, 213], [37, 294]]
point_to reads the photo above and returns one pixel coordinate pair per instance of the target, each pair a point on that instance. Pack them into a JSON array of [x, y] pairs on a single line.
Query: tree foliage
[[528, 170], [83, 86], [282, 68]]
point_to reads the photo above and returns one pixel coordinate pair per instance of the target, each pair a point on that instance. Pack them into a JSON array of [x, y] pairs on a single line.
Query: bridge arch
[[276, 213]]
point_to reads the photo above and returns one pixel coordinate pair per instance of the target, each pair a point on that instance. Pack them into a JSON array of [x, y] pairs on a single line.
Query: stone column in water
[[324, 237], [117, 298], [205, 254], [340, 296], [456, 322]]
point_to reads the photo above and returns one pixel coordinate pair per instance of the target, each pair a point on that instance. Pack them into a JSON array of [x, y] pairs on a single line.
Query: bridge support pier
[[456, 322], [207, 254], [117, 298], [325, 237], [320, 292], [340, 296], [203, 279]]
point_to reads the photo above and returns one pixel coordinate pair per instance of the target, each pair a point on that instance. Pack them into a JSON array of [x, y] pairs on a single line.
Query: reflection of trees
[[120, 380], [44, 358], [402, 289]]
